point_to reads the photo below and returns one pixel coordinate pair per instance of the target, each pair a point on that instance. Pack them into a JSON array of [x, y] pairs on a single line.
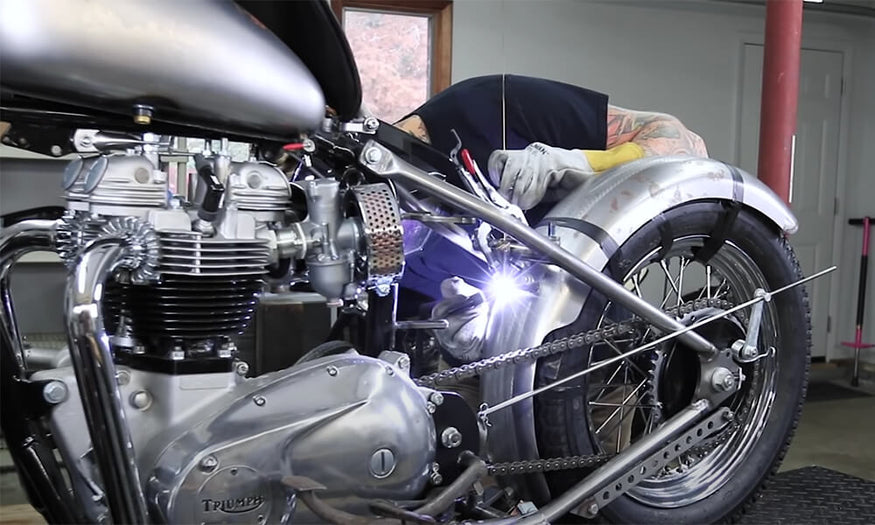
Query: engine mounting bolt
[[209, 463], [141, 400], [259, 401], [437, 398], [55, 392], [242, 368], [382, 463], [722, 380], [430, 407], [451, 437], [332, 370], [373, 156]]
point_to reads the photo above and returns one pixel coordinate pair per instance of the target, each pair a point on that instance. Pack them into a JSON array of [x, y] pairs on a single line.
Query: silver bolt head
[[722, 380], [55, 392], [403, 363], [259, 401], [209, 463], [437, 398], [332, 370], [373, 156], [242, 368], [451, 437], [141, 400], [592, 509], [430, 407], [436, 478], [371, 124], [123, 377]]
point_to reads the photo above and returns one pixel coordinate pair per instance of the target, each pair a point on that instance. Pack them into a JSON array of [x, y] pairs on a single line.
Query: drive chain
[[524, 355], [579, 340]]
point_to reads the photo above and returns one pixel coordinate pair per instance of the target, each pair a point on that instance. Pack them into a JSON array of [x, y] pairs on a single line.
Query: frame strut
[[384, 163]]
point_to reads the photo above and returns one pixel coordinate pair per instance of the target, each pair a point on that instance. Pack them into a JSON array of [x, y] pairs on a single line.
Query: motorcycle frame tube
[[629, 458], [32, 454], [394, 168], [96, 376]]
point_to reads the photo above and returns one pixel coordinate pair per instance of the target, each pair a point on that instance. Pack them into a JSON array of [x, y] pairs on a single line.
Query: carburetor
[[350, 238]]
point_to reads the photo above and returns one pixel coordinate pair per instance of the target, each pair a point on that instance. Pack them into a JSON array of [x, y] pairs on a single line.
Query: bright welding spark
[[504, 288]]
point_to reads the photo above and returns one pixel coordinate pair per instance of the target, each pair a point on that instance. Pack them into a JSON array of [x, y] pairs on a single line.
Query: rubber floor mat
[[815, 495]]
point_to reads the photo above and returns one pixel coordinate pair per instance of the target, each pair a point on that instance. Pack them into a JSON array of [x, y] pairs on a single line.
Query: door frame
[[817, 43]]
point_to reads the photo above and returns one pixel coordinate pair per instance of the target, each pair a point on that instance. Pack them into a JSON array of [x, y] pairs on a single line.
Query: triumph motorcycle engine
[[211, 445]]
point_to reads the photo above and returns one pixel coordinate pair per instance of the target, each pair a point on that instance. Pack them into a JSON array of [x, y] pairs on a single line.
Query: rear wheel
[[673, 263]]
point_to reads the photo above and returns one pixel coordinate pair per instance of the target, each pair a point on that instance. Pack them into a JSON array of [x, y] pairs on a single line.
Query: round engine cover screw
[[451, 437], [728, 415], [332, 370], [437, 398], [722, 380], [373, 156], [259, 401], [56, 150], [435, 476], [55, 392], [209, 463], [382, 463], [123, 377], [141, 400], [242, 368], [430, 407], [390, 370]]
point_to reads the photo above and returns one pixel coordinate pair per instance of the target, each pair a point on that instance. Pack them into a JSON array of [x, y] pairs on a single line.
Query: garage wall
[[682, 58]]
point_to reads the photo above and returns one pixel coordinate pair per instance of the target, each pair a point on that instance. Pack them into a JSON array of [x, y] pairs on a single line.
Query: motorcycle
[[649, 367]]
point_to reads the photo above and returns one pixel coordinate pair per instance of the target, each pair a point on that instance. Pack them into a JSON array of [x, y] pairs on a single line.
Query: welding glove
[[527, 176], [466, 310]]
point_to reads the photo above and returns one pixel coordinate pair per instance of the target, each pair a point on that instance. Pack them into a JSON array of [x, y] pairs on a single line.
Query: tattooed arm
[[656, 133], [414, 126]]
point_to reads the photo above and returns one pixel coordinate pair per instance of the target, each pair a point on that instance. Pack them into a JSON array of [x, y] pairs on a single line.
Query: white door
[[813, 185]]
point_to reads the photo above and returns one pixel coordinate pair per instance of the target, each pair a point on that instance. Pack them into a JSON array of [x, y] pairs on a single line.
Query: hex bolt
[[332, 370], [430, 407], [390, 370], [371, 124], [722, 380], [55, 392], [259, 401], [382, 463], [592, 509], [241, 368], [451, 437], [435, 476], [209, 463], [403, 363], [373, 156], [437, 398], [141, 400]]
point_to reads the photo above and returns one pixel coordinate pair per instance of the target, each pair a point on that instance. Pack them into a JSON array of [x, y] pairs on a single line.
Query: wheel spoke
[[626, 398]]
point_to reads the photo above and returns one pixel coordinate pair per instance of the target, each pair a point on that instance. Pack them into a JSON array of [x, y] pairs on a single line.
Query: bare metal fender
[[199, 62], [604, 213]]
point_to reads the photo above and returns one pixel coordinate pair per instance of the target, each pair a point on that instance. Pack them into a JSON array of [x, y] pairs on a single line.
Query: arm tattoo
[[414, 126], [656, 133]]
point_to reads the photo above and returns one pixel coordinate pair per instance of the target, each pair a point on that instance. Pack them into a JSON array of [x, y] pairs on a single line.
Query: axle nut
[[451, 437], [722, 380]]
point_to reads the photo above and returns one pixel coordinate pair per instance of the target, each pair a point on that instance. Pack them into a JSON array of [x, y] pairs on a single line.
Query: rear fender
[[592, 222]]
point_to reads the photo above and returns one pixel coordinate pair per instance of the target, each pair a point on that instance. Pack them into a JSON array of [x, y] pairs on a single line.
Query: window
[[402, 49]]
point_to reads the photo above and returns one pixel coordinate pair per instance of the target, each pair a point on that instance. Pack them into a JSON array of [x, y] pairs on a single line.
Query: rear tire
[[726, 474]]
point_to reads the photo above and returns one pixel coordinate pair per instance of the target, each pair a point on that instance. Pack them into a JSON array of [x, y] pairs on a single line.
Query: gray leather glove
[[539, 172], [466, 310]]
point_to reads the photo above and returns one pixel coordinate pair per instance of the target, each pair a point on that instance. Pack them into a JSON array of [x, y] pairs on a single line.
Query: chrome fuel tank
[[202, 62]]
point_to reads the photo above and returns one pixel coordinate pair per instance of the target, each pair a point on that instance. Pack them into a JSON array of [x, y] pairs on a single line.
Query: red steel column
[[780, 93]]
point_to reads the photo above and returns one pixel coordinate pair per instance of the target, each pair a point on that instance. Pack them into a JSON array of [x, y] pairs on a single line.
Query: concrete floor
[[835, 434]]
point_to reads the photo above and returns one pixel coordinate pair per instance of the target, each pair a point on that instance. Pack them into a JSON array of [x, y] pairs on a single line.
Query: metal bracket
[[621, 484], [746, 351]]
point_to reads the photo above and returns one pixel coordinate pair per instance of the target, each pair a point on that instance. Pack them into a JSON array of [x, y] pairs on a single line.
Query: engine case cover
[[325, 420]]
